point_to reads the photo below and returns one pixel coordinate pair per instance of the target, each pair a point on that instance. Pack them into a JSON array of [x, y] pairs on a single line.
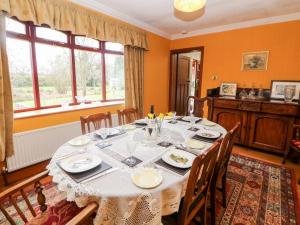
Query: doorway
[[185, 77]]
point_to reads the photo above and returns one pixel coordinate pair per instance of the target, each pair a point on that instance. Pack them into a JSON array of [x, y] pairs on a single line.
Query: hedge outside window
[[49, 68]]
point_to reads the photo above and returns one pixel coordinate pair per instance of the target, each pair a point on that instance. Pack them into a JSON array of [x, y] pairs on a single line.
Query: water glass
[[131, 146], [103, 132], [173, 116]]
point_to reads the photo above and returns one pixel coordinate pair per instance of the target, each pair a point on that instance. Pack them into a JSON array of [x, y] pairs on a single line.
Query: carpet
[[258, 193]]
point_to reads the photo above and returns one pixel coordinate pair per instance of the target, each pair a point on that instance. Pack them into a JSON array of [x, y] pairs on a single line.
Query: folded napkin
[[79, 177], [111, 135], [177, 170]]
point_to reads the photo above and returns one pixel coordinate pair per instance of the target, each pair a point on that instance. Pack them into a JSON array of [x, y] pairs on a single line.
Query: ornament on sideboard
[[287, 90]]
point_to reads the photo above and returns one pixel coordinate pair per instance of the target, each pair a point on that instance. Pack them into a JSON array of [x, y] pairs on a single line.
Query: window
[[50, 68]]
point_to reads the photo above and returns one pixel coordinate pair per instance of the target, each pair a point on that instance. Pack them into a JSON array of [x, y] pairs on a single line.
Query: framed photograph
[[277, 88], [255, 61], [228, 89]]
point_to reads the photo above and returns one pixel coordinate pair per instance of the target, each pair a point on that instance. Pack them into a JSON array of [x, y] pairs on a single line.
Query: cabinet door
[[269, 131], [228, 118]]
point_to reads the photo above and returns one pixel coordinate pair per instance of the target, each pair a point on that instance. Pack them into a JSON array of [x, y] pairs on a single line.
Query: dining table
[[120, 200]]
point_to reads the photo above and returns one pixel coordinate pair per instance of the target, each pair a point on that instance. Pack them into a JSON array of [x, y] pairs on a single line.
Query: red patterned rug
[[258, 193]]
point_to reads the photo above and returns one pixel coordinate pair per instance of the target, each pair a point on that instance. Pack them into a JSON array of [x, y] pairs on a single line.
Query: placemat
[[208, 140], [79, 177], [197, 121], [179, 171]]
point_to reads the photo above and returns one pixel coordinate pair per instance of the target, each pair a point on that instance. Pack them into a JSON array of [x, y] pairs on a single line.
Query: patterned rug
[[258, 193]]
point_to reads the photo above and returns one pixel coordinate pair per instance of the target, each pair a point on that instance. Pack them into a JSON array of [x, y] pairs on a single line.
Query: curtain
[[66, 16], [134, 78], [6, 107]]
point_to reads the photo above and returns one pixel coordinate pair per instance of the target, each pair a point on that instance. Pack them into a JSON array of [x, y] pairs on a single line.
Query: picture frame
[[255, 61], [277, 89], [228, 89]]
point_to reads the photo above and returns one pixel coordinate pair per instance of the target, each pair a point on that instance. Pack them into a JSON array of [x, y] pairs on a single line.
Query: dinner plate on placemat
[[146, 177], [208, 134], [179, 158], [80, 163]]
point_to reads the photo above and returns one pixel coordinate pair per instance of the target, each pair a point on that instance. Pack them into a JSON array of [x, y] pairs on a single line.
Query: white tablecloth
[[120, 201]]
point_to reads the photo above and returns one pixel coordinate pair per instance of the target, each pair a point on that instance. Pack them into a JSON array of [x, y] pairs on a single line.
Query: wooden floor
[[269, 158]]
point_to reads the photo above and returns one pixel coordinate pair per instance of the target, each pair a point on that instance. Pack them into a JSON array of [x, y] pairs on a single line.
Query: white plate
[[189, 118], [168, 117], [207, 123], [208, 133], [179, 153], [146, 177], [140, 121], [80, 141], [191, 143], [80, 163], [111, 131], [128, 127]]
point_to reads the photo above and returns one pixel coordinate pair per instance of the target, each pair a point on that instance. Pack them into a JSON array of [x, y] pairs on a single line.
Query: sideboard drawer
[[228, 104], [250, 106], [284, 109]]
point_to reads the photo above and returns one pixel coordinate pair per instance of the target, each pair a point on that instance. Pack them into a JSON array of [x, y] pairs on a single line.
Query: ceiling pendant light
[[189, 5]]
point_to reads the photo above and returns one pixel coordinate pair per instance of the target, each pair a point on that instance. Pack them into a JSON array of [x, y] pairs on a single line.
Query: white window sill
[[43, 112]]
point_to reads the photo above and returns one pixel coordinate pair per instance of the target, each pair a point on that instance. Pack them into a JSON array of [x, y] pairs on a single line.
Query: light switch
[[214, 77]]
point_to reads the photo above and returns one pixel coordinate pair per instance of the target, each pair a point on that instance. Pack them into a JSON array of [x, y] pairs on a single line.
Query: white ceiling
[[159, 16]]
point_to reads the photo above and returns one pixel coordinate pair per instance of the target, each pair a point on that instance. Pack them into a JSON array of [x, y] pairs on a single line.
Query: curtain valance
[[67, 16]]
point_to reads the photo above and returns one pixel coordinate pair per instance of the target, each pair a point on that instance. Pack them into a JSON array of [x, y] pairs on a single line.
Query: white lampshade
[[189, 5]]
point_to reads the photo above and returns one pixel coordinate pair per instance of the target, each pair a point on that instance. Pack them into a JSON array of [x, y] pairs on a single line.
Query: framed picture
[[255, 61], [277, 88], [228, 89]]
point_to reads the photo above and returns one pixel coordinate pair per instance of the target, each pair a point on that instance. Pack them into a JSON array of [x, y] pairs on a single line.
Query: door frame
[[186, 50]]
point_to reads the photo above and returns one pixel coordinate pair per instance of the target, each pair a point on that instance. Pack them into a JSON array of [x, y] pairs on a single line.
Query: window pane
[[114, 46], [88, 75], [87, 42], [54, 72], [19, 59], [51, 34], [15, 26], [115, 84]]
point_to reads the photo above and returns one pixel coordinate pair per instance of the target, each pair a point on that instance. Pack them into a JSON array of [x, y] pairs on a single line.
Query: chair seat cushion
[[59, 214], [296, 143]]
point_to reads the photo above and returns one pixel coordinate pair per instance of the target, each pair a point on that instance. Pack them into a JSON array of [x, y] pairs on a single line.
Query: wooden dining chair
[[194, 202], [98, 120], [126, 116], [197, 104], [60, 213], [221, 170]]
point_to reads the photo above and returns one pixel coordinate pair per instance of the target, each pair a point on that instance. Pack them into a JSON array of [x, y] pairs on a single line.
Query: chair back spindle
[[126, 116], [198, 185], [95, 120], [197, 105]]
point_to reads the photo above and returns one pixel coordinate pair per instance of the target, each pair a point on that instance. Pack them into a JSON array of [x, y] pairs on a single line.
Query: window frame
[[30, 36]]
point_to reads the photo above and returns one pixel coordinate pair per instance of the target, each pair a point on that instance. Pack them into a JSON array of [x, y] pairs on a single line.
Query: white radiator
[[35, 146]]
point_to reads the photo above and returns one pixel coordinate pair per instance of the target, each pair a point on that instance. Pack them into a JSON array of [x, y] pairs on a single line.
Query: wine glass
[[131, 146], [193, 122], [173, 116], [103, 134]]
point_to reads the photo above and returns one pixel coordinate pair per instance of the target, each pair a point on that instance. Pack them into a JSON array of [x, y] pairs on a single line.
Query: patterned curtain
[[6, 106], [134, 78], [66, 16]]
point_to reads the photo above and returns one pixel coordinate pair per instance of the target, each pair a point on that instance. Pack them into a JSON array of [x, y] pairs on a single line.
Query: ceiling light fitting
[[189, 5]]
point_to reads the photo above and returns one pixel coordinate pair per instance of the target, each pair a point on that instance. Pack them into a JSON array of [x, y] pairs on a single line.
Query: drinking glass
[[103, 134], [173, 116], [193, 122], [131, 146]]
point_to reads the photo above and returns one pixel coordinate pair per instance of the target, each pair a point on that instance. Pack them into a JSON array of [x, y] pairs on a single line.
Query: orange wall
[[157, 74], [156, 89], [223, 54]]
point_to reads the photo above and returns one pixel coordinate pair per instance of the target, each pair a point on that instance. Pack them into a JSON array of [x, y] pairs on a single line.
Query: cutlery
[[100, 175]]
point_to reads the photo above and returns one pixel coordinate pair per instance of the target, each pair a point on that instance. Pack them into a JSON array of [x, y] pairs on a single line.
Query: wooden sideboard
[[265, 125]]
